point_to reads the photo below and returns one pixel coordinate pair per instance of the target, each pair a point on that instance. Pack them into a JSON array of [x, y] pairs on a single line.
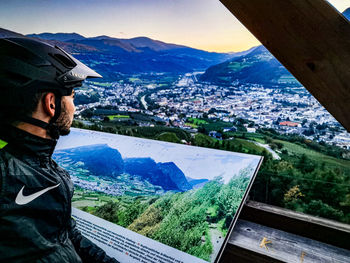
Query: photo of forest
[[158, 197]]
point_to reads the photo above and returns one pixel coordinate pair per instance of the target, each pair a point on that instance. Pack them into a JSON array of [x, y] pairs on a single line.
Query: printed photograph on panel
[[182, 196]]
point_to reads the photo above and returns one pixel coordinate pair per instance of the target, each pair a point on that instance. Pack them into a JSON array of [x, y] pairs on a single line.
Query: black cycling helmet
[[29, 66]]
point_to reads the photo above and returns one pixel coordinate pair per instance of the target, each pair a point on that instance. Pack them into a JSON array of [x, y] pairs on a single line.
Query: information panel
[[150, 201]]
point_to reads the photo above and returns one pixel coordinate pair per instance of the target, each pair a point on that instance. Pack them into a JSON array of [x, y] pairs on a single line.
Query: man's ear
[[49, 105]]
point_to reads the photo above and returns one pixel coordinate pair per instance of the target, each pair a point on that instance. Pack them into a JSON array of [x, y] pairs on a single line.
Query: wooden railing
[[266, 233]]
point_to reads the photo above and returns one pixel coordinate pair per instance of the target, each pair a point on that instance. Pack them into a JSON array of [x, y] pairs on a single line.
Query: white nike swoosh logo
[[22, 200]]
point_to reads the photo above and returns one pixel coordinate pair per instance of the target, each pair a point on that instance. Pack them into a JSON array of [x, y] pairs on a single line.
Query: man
[[36, 107]]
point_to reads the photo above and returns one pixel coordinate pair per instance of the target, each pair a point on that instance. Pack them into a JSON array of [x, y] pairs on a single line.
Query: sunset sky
[[203, 24]]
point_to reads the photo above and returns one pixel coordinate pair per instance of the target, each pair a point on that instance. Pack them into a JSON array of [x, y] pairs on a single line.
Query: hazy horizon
[[141, 36], [205, 25]]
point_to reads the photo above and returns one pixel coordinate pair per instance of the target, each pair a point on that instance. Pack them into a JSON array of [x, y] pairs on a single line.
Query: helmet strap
[[51, 127], [35, 122]]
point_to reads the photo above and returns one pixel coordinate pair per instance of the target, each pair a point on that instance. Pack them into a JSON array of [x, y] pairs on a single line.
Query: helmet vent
[[13, 79], [15, 51], [64, 60]]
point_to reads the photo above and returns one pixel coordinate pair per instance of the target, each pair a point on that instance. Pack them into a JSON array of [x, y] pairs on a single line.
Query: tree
[[305, 165], [108, 211], [88, 113], [148, 222], [168, 137], [292, 197], [318, 208], [279, 145], [130, 213]]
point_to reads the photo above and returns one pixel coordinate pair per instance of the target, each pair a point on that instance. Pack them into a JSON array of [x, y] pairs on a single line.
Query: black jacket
[[35, 205]]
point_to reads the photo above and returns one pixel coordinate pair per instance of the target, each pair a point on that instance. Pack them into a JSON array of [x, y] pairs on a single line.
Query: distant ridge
[[130, 45], [138, 55], [156, 45], [133, 56], [58, 36], [245, 52], [197, 183], [67, 46], [101, 37]]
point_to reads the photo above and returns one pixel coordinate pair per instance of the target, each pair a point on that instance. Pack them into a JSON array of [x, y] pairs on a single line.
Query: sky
[[202, 24], [194, 162]]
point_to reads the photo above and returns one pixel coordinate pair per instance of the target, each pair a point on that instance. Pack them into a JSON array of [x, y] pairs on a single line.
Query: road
[[267, 147], [144, 103], [188, 79]]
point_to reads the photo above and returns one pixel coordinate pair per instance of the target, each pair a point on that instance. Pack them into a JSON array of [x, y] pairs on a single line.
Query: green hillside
[[257, 67], [298, 150]]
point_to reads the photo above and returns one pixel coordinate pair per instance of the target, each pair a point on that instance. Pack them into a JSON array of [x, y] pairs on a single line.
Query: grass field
[[82, 203], [240, 144], [217, 126], [296, 149], [248, 146], [248, 136], [197, 121], [112, 117], [102, 84], [191, 125], [236, 66], [168, 137], [84, 198]]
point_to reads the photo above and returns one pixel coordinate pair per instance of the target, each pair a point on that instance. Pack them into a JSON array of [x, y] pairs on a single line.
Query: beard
[[64, 122]]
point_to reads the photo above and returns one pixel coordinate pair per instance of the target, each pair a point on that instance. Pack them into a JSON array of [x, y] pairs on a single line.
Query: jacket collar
[[26, 143]]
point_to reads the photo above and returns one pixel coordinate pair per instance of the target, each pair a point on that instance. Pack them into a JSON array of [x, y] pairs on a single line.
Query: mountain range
[[136, 44], [112, 56], [104, 161]]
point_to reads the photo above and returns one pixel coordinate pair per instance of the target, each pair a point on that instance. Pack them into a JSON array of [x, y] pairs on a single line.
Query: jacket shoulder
[[5, 157]]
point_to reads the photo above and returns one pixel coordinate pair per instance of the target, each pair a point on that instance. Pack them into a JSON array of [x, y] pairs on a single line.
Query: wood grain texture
[[316, 228], [282, 212], [311, 39], [282, 246], [236, 254]]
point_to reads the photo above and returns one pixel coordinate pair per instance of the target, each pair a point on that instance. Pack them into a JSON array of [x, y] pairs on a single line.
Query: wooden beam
[[316, 228], [311, 39], [278, 245], [239, 254]]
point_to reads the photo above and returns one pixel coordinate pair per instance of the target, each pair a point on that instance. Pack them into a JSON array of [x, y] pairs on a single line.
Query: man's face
[[64, 122]]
